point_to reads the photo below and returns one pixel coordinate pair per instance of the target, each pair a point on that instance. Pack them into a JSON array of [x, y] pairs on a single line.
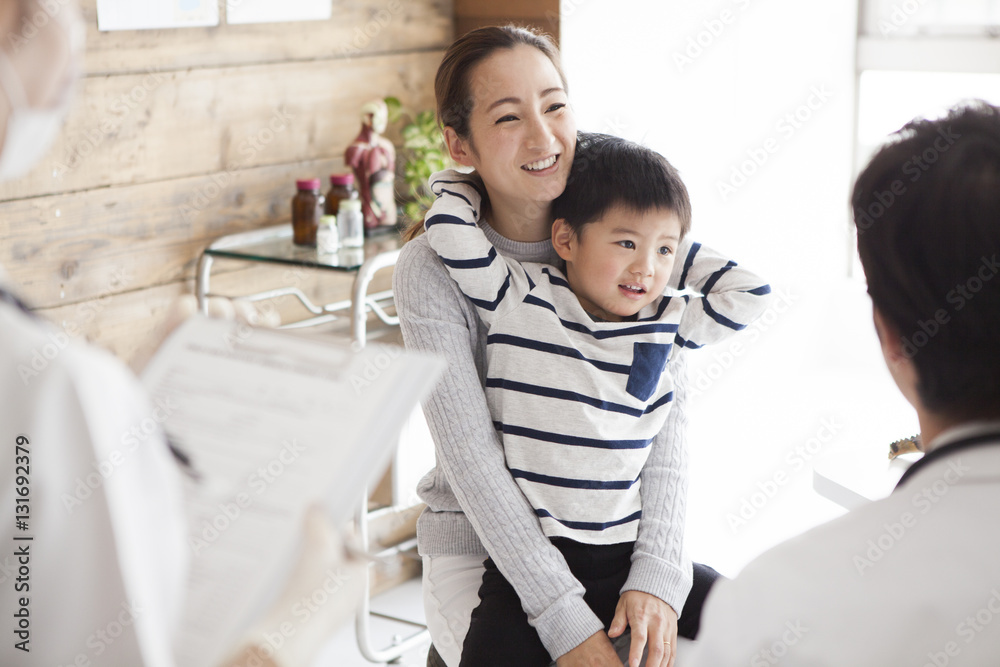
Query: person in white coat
[[92, 534], [913, 579], [84, 459]]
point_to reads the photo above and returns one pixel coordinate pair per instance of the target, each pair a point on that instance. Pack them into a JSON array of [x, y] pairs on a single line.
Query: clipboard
[[271, 422]]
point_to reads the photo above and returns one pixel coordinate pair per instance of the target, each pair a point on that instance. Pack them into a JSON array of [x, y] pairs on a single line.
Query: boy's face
[[620, 263]]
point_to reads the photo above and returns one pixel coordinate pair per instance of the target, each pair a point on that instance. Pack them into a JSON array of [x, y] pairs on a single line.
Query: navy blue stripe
[[695, 247], [462, 197], [518, 341], [569, 483], [446, 219], [549, 392], [563, 439], [720, 318], [492, 305], [477, 263], [686, 343], [556, 280], [715, 277], [587, 525], [564, 395], [661, 401], [531, 283], [661, 327], [444, 182], [760, 291], [664, 302]]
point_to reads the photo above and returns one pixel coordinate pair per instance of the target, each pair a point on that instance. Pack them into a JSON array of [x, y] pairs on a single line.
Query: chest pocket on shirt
[[648, 362]]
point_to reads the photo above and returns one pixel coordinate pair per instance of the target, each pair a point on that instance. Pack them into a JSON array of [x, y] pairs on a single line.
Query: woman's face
[[522, 131]]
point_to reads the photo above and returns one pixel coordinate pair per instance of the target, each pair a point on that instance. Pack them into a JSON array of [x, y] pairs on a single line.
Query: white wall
[[711, 85], [638, 68]]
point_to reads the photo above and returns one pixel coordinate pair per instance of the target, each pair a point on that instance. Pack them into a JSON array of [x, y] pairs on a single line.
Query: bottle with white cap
[[351, 223], [327, 236]]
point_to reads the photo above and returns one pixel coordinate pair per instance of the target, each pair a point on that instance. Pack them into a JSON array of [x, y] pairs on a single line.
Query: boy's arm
[[491, 282], [727, 297]]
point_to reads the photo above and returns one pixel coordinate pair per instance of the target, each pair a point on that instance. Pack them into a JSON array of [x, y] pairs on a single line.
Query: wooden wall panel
[[139, 235], [140, 128], [177, 137], [359, 28], [541, 14]]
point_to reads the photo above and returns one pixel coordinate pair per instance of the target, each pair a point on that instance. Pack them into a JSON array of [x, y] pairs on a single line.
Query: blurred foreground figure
[[913, 579], [93, 549]]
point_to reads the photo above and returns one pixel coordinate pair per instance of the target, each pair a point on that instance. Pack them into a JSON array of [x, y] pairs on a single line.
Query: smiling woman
[[475, 508], [503, 103], [520, 143]]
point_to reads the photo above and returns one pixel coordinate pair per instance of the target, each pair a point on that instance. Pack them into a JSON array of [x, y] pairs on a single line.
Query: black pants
[[499, 634]]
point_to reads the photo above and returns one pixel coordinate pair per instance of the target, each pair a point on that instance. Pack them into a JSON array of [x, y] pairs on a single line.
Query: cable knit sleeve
[[434, 318], [660, 565]]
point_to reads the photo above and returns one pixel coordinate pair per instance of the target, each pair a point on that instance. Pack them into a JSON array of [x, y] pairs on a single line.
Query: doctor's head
[[927, 211], [40, 49]]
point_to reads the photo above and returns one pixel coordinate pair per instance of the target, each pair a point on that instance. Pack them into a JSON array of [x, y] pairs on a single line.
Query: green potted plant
[[423, 154]]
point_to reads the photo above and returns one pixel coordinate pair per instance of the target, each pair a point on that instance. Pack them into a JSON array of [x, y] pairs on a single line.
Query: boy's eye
[[505, 119], [666, 250], [626, 244]]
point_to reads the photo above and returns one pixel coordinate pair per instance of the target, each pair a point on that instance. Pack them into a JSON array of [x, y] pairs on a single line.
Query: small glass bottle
[[327, 236], [351, 223], [307, 209], [341, 187]]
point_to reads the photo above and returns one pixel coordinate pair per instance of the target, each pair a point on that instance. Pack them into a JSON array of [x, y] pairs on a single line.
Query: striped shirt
[[579, 402]]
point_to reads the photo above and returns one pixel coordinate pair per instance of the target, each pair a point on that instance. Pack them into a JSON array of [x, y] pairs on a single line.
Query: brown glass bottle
[[341, 187], [307, 209]]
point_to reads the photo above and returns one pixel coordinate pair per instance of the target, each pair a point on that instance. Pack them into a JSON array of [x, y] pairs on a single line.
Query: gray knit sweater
[[474, 505]]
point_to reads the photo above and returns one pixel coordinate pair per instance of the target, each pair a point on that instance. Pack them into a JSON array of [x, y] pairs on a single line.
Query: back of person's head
[[610, 171], [927, 211]]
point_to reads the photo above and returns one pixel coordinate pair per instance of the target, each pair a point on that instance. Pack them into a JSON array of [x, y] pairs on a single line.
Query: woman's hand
[[595, 651], [651, 619]]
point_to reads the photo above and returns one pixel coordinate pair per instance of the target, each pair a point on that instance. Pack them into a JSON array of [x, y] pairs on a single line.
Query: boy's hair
[[927, 211], [610, 171]]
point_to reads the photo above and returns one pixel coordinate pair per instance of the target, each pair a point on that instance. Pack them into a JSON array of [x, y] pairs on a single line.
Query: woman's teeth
[[541, 164]]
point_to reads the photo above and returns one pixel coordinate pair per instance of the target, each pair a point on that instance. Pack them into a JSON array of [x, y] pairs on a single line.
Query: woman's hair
[[452, 86]]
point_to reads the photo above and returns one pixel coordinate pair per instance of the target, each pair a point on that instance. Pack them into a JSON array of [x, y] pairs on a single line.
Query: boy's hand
[[651, 620]]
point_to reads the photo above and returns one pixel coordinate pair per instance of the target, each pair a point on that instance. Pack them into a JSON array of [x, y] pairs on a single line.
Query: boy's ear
[[458, 148], [563, 238]]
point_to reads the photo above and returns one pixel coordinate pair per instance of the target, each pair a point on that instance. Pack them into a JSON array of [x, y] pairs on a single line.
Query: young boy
[[576, 354]]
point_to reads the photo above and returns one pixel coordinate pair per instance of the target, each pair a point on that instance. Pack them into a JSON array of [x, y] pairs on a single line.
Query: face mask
[[30, 132]]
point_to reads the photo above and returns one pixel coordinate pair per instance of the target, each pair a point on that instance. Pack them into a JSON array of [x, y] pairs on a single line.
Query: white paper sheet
[[150, 14], [270, 11], [273, 422]]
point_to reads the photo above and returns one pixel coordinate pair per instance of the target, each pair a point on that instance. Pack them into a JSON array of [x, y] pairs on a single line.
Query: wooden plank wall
[[541, 14], [177, 137]]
